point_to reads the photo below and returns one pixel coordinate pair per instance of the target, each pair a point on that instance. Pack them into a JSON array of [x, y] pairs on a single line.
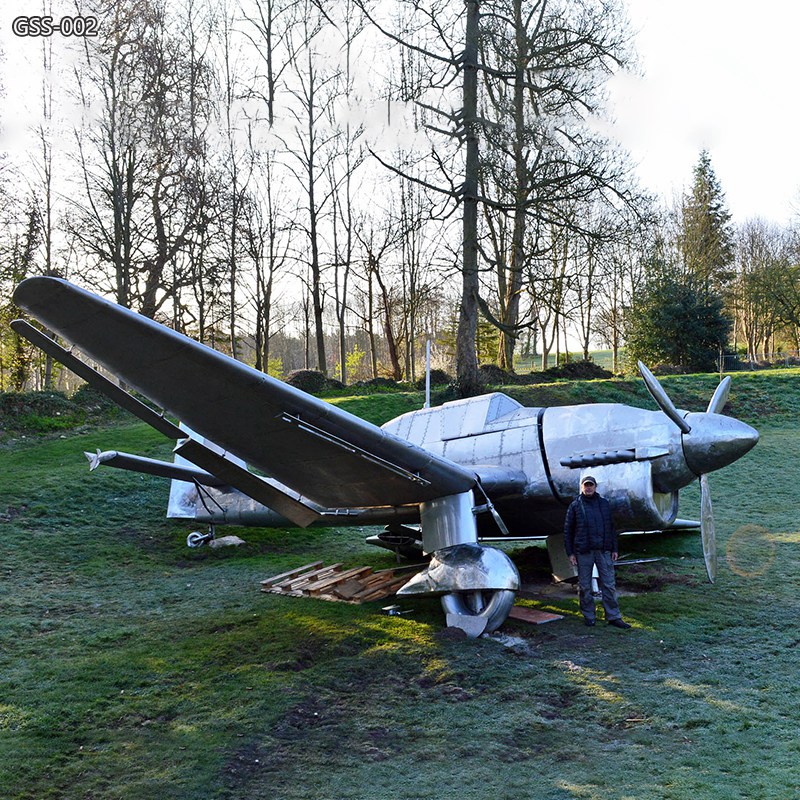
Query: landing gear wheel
[[479, 611], [196, 539]]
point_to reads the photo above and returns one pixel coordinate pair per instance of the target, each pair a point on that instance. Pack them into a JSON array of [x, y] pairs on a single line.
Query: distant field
[[603, 358], [132, 667]]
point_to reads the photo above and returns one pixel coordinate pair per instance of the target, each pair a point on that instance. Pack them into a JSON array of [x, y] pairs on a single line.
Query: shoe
[[588, 622], [619, 623]]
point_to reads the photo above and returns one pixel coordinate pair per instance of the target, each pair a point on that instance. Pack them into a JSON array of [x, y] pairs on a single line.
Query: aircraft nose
[[716, 441]]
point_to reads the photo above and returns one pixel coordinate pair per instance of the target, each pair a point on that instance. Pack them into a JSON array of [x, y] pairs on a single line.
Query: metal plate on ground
[[533, 615]]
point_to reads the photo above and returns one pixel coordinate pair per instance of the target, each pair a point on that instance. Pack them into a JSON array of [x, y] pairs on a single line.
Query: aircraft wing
[[324, 453]]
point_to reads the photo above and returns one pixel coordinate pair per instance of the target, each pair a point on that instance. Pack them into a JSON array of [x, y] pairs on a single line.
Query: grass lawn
[[132, 667]]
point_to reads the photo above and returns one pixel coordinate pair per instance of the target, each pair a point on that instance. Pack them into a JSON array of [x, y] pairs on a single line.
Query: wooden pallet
[[357, 585]]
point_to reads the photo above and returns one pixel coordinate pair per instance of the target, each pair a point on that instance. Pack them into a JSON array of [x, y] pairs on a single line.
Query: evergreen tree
[[707, 239], [675, 323]]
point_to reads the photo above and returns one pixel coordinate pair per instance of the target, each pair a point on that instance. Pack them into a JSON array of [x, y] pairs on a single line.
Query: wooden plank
[[348, 589], [354, 585], [379, 594], [402, 568], [285, 592], [309, 577], [326, 583], [384, 589], [383, 572], [532, 615], [373, 580], [290, 574]]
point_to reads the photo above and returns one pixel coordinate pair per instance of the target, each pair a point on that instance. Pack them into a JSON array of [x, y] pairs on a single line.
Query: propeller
[[707, 533], [715, 406], [720, 396], [662, 398]]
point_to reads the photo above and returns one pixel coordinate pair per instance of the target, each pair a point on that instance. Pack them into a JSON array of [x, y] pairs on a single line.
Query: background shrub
[[438, 378], [308, 380]]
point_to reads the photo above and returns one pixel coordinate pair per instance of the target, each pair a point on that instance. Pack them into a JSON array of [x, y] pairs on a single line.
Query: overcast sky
[[719, 74]]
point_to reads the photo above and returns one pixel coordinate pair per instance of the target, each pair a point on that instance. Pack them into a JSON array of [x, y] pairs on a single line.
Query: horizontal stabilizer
[[152, 466]]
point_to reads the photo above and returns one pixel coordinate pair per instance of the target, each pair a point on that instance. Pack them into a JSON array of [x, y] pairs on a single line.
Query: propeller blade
[[662, 399], [720, 396], [707, 529]]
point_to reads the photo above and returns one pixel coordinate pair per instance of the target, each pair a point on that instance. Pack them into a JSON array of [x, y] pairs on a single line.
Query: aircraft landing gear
[[479, 611], [197, 539], [477, 586]]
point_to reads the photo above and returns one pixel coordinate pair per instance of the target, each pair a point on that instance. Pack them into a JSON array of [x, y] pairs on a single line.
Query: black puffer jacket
[[589, 522]]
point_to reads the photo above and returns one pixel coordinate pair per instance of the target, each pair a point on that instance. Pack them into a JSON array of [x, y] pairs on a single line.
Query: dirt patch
[[651, 578], [307, 656], [243, 765], [12, 512], [553, 706], [306, 717], [450, 635], [632, 579], [292, 665]]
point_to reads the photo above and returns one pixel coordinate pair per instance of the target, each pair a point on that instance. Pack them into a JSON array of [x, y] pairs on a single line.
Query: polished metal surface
[[152, 466], [707, 530], [720, 396], [716, 441], [662, 398], [448, 521], [465, 567], [477, 612], [337, 458], [481, 467]]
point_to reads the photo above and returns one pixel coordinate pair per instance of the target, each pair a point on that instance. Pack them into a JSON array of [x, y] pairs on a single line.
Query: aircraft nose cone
[[716, 441]]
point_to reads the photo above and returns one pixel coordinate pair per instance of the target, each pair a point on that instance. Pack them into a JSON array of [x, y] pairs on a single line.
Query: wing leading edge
[[324, 453]]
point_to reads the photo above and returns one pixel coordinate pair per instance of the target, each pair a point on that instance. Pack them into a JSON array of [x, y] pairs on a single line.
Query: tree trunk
[[466, 355]]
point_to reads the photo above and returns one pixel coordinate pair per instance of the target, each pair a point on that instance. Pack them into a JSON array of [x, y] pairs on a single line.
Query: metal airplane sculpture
[[440, 479]]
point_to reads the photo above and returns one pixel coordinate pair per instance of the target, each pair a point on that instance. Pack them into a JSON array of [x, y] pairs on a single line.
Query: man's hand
[[573, 559], [614, 556]]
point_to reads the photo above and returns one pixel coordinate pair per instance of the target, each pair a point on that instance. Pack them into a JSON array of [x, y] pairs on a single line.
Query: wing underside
[[329, 456]]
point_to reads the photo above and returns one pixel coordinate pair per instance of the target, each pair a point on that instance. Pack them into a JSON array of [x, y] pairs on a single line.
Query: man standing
[[591, 540]]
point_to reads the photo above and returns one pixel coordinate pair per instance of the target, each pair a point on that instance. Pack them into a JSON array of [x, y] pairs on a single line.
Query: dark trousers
[[606, 579]]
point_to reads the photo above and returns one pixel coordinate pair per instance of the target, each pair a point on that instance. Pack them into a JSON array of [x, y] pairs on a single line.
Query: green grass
[[379, 409], [133, 667]]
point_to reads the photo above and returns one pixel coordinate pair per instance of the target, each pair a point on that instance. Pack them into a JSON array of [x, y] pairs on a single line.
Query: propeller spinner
[[710, 441]]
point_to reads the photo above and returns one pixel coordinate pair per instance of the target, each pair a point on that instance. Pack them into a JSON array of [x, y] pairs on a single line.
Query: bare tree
[[266, 230], [623, 276], [270, 22], [526, 96], [138, 155], [378, 243], [545, 64], [341, 176], [237, 164], [313, 144], [765, 292], [110, 153]]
